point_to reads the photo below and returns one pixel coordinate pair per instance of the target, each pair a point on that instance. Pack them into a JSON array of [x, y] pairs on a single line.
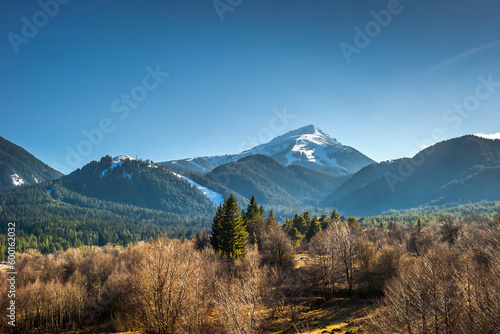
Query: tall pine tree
[[335, 217], [253, 210], [314, 228], [217, 231], [229, 233]]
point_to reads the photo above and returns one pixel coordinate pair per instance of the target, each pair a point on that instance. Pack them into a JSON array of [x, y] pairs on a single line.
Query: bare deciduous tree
[[164, 283]]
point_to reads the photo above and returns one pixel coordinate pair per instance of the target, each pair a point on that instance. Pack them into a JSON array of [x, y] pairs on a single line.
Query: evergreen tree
[[335, 217], [300, 223], [253, 211], [307, 217], [292, 231], [255, 222], [324, 221], [353, 224], [314, 228], [271, 220], [261, 211], [217, 231], [229, 232]]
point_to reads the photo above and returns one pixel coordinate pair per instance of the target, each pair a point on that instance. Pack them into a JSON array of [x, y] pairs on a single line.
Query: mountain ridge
[[307, 146], [464, 169], [19, 167]]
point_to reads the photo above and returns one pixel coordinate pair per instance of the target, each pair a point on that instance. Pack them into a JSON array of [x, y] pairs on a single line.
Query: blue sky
[[228, 79]]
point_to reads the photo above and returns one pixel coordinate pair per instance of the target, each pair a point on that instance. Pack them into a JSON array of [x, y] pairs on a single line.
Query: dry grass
[[100, 332], [339, 315], [301, 259]]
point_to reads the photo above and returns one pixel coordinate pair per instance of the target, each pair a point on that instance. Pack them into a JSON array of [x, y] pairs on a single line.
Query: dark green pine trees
[[253, 210], [229, 233], [314, 228]]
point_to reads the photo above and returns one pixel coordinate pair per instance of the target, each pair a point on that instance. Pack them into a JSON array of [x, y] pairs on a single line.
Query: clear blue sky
[[227, 76]]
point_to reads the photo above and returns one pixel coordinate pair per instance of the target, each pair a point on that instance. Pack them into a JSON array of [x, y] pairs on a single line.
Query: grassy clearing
[[339, 315]]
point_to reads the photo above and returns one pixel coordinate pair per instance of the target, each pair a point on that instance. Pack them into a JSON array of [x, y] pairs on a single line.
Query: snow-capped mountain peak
[[307, 146], [302, 136], [311, 133]]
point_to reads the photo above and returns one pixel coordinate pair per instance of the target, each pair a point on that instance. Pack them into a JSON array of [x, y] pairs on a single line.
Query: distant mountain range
[[304, 168], [307, 147], [273, 184], [18, 167], [456, 171]]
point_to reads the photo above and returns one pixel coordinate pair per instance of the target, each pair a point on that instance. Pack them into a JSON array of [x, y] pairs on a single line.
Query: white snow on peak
[[492, 136], [34, 178], [216, 198], [309, 134], [122, 158], [306, 144], [16, 180]]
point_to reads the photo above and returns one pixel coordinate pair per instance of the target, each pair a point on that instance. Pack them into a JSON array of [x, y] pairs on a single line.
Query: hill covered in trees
[[19, 167], [273, 184], [139, 183], [64, 218], [457, 171]]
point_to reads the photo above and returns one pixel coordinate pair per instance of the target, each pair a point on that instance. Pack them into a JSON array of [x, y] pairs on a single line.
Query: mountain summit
[[307, 146]]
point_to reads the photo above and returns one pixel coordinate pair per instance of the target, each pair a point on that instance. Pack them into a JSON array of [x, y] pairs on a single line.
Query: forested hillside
[[63, 218], [19, 167], [457, 171], [138, 183], [273, 184]]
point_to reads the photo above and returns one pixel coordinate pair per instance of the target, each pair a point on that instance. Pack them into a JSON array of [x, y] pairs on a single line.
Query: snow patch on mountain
[[113, 166], [198, 165], [122, 158], [118, 161], [492, 136], [216, 198], [16, 180]]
